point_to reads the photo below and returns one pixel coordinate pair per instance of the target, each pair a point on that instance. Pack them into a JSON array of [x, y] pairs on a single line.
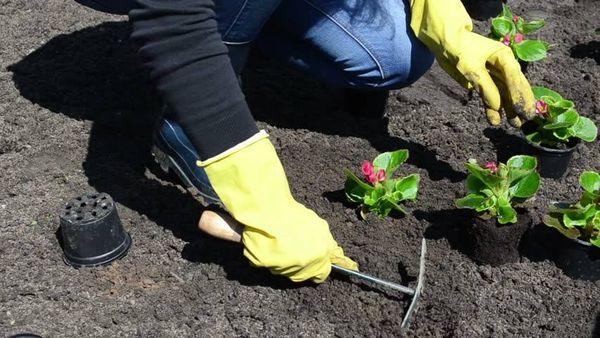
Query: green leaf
[[530, 50], [589, 198], [471, 201], [554, 222], [408, 186], [506, 12], [576, 218], [351, 175], [590, 182], [596, 221], [373, 198], [354, 192], [563, 134], [523, 162], [540, 92], [535, 137], [502, 26], [595, 241], [484, 175], [585, 129], [564, 120], [520, 166], [526, 186], [564, 103], [474, 185], [506, 213], [355, 188], [390, 161], [488, 204], [532, 26], [395, 206]]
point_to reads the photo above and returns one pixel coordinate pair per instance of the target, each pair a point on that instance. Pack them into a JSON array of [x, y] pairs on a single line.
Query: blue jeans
[[344, 43]]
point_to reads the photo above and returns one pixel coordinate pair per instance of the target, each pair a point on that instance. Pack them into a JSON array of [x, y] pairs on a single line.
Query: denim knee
[[397, 66], [405, 71]]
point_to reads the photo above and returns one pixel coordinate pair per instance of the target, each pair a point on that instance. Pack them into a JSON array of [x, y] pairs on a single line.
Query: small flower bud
[[519, 38], [381, 175], [541, 108], [367, 168], [506, 40], [491, 166]]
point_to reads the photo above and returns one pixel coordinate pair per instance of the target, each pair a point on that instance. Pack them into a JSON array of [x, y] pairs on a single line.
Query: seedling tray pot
[[579, 259], [92, 233], [553, 163]]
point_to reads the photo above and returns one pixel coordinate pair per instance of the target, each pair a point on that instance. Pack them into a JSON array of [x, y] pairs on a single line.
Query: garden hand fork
[[225, 227]]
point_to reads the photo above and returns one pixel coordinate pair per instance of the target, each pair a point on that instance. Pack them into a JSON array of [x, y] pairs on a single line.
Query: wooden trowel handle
[[221, 226]]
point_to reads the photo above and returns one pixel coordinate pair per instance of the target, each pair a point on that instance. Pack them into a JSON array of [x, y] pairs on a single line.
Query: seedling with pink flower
[[494, 188], [378, 191], [496, 192], [511, 29], [557, 121]]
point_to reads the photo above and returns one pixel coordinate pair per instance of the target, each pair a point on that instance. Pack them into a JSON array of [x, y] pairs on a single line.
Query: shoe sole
[[167, 163]]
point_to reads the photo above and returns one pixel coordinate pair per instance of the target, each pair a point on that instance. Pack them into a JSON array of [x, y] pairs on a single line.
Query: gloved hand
[[280, 233], [474, 61]]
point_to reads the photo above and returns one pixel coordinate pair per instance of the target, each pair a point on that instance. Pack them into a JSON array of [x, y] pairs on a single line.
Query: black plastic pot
[[552, 163], [496, 244], [579, 259], [92, 233], [483, 9], [576, 258]]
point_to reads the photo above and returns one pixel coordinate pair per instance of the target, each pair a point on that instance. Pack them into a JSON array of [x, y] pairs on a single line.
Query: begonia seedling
[[580, 220], [495, 189], [378, 191], [511, 30], [557, 121]]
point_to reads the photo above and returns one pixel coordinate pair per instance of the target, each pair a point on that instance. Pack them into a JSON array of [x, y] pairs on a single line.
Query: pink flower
[[367, 168], [375, 177], [381, 175], [491, 166], [516, 18], [519, 38], [506, 40], [372, 178], [541, 108]]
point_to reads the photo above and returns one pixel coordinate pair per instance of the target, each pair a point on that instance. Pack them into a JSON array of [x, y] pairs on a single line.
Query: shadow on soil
[[506, 145], [596, 332], [93, 75], [450, 224], [587, 50]]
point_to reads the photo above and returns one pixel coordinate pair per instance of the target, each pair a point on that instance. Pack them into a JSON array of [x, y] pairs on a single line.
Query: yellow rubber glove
[[474, 61], [279, 234]]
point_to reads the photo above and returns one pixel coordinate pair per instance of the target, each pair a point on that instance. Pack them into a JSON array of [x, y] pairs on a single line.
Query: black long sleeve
[[182, 48]]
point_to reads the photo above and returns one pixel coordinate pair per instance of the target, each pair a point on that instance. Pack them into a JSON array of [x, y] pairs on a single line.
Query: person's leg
[[365, 44], [110, 6]]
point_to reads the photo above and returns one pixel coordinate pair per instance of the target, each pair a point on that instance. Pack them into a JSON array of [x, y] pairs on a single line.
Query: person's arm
[[188, 62], [474, 61]]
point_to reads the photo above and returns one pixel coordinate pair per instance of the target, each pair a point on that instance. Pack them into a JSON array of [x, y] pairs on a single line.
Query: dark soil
[[496, 244], [76, 115]]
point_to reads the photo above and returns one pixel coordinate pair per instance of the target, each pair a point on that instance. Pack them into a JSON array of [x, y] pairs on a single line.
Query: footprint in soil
[[587, 50]]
